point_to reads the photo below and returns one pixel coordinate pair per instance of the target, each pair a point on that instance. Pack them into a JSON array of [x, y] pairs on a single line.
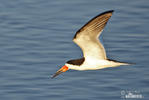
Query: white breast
[[90, 64]]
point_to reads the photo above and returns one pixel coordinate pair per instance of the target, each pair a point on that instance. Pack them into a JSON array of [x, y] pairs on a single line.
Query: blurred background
[[36, 40]]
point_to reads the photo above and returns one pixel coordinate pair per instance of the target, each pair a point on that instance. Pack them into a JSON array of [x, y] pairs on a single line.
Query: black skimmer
[[93, 51]]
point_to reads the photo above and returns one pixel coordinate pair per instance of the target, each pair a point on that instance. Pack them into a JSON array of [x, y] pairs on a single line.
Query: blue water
[[36, 40]]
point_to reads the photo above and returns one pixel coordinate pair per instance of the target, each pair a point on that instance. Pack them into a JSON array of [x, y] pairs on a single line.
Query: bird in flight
[[94, 55]]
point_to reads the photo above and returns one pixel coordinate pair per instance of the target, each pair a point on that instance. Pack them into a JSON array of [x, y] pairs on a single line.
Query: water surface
[[36, 40]]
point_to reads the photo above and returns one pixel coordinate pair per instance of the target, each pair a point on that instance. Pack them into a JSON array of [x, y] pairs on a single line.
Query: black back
[[76, 61]]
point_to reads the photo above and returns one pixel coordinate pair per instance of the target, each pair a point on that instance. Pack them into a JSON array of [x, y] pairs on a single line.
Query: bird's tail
[[124, 63], [117, 63]]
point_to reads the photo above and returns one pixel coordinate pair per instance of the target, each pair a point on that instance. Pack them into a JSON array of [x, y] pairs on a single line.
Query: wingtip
[[109, 11]]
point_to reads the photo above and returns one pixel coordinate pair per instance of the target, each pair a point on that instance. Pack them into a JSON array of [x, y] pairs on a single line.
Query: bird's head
[[71, 64], [61, 70]]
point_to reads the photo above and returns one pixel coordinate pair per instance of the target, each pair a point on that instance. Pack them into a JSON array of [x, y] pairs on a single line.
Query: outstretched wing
[[87, 37]]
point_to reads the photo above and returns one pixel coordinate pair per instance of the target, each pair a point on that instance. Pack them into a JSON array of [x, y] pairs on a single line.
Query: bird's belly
[[94, 65]]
